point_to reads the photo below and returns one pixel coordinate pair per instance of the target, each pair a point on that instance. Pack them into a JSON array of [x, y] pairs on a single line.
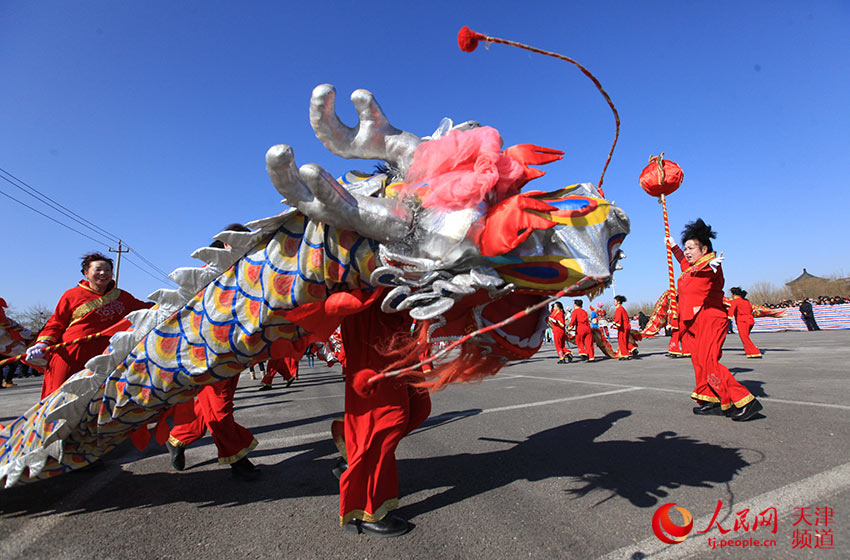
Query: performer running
[[212, 409], [375, 424], [703, 319], [94, 306], [623, 326], [559, 333], [742, 311], [286, 367], [584, 335]]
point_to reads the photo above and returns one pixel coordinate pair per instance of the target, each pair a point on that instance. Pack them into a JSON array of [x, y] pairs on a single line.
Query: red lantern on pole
[[660, 177]]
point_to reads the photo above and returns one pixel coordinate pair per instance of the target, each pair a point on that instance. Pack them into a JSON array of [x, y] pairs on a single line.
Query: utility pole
[[119, 250]]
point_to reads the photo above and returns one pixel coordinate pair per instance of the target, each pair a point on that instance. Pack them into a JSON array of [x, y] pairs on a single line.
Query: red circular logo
[[666, 530]]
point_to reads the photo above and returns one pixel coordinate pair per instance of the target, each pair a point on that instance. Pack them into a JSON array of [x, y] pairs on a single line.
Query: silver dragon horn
[[315, 193], [372, 138]]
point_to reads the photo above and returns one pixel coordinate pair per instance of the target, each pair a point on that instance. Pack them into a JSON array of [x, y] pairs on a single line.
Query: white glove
[[670, 241], [36, 351], [715, 262]]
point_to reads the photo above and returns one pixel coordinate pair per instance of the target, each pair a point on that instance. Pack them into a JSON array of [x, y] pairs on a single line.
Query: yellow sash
[[90, 306]]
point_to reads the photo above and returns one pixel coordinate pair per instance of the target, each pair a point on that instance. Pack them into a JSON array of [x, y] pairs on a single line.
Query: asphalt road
[[541, 461]]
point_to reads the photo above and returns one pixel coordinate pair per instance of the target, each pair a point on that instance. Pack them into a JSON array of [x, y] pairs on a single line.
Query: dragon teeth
[[220, 259], [168, 299]]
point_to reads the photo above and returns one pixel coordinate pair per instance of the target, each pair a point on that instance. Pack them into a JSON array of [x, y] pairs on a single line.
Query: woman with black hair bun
[[625, 347], [558, 323], [742, 311], [703, 321]]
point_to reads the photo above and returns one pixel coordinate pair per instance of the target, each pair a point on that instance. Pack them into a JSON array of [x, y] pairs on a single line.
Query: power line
[[51, 218], [149, 263], [43, 198], [129, 260]]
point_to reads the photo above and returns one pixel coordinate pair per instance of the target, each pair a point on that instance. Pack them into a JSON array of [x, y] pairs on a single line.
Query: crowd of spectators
[[822, 300]]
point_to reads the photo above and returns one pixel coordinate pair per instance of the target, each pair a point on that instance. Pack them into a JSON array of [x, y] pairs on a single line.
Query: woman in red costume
[[375, 424], [703, 322], [584, 335], [742, 311], [621, 322], [559, 332], [94, 306]]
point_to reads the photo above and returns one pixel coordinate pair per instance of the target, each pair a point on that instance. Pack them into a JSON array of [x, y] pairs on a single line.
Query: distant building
[[809, 285], [805, 277]]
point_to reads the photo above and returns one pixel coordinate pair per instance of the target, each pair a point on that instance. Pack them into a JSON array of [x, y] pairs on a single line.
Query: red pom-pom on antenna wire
[[361, 384], [467, 39]]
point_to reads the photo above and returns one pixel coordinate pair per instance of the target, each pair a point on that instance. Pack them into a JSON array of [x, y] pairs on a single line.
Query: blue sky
[[152, 119]]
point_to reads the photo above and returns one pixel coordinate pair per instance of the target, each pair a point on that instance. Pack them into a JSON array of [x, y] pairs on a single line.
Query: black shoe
[[570, 358], [709, 409], [562, 361], [243, 469], [265, 388], [289, 381], [390, 526], [178, 457], [750, 409], [339, 467]]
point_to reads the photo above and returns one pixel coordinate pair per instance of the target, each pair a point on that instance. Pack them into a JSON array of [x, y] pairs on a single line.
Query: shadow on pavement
[[755, 387], [640, 471]]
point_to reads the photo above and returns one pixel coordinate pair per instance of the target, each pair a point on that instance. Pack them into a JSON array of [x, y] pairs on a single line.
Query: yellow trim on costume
[[706, 398], [743, 402], [175, 442], [725, 407], [48, 339], [90, 306], [379, 514], [699, 264], [754, 355], [239, 456]]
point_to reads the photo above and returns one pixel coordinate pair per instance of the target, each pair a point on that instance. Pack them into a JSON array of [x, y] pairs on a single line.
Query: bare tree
[[33, 317], [761, 293]]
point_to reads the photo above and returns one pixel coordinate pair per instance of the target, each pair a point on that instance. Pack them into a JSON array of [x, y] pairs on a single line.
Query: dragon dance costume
[[741, 310], [625, 347], [212, 410], [559, 332], [703, 322], [286, 367], [375, 423], [82, 312], [584, 334]]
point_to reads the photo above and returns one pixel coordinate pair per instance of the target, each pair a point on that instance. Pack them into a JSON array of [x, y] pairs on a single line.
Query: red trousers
[[677, 346], [624, 349], [744, 328], [559, 336], [703, 338], [285, 367], [66, 361], [584, 341], [375, 424], [212, 410]]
